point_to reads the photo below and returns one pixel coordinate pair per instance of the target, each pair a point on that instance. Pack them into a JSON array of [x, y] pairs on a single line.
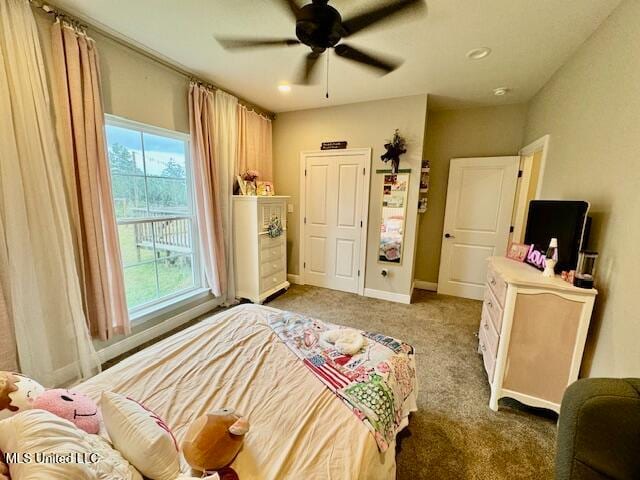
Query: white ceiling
[[529, 39]]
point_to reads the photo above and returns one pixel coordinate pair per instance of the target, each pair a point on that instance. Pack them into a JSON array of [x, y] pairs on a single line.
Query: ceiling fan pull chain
[[327, 94]]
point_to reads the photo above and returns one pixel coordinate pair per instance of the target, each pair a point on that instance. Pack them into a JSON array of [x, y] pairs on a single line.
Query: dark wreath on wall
[[395, 147]]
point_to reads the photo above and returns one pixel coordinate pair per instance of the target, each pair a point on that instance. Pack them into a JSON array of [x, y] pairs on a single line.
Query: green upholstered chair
[[599, 430]]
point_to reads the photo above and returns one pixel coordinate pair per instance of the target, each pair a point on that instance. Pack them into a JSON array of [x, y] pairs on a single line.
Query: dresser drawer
[[269, 268], [266, 242], [497, 285], [490, 334], [273, 280], [487, 358], [494, 309], [272, 254]]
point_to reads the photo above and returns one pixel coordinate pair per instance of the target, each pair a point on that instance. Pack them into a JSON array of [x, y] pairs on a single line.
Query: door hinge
[[364, 171], [305, 220], [360, 223], [305, 172], [358, 272], [520, 173], [511, 229], [304, 265]]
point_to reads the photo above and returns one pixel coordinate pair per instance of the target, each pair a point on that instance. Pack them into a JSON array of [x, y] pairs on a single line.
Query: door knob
[[448, 235]]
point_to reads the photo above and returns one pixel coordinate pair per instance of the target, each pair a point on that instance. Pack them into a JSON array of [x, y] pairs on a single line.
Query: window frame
[[166, 302]]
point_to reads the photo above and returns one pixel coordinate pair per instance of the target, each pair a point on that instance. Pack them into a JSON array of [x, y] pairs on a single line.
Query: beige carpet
[[454, 434]]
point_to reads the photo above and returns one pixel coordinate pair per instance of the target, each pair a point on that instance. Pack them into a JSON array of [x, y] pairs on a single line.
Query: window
[[152, 196]]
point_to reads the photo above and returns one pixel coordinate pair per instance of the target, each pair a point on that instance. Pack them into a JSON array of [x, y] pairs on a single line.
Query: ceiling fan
[[320, 27]]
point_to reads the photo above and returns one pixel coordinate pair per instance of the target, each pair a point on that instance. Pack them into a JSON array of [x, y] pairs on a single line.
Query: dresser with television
[[533, 328], [532, 333]]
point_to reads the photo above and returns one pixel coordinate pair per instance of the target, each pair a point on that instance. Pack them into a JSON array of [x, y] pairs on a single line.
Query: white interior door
[[334, 218], [477, 220]]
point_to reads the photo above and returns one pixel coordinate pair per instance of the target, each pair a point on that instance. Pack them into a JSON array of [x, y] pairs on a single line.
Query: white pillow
[[35, 432], [141, 436]]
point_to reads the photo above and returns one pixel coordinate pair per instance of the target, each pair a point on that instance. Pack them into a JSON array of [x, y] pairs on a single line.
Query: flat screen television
[[563, 219]]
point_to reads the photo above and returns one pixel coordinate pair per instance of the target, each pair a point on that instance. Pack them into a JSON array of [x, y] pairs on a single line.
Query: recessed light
[[479, 53], [284, 88], [500, 91]]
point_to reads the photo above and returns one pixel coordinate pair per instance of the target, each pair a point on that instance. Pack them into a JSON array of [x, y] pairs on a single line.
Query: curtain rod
[[76, 22]]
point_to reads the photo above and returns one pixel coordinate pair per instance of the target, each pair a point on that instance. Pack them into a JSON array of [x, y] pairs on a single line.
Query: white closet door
[[477, 219], [334, 186]]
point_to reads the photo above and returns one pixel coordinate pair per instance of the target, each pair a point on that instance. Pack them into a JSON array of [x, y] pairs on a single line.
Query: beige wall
[[591, 109], [133, 85], [474, 132], [366, 124], [140, 89]]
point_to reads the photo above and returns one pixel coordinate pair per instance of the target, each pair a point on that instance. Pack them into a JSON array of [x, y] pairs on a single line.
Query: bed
[[299, 428]]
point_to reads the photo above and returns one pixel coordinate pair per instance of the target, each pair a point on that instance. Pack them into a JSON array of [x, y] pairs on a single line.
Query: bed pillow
[[141, 436], [35, 432]]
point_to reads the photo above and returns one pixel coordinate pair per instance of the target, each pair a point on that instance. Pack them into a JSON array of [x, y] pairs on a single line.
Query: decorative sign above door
[[341, 145]]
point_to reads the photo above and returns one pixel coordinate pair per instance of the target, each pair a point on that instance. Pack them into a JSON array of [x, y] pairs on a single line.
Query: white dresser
[[532, 333], [260, 261]]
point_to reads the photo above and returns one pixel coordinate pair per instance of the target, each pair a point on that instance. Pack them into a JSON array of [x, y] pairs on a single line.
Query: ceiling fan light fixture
[[501, 91], [284, 88], [479, 53]]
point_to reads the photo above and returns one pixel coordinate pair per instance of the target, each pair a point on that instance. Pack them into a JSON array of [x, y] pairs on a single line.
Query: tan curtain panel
[[37, 266], [254, 144], [80, 129], [207, 191], [8, 358]]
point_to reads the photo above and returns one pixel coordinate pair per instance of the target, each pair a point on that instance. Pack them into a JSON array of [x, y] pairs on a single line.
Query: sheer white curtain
[[214, 150], [226, 153], [40, 280]]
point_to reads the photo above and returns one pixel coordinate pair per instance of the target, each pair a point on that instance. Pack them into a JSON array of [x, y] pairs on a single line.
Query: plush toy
[[213, 440], [17, 393], [346, 340], [75, 407]]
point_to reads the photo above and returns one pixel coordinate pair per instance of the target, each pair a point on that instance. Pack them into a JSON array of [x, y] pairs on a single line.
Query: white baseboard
[[293, 278], [390, 296], [422, 285], [137, 339]]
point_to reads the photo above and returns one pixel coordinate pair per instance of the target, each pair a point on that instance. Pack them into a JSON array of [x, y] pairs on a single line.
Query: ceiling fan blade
[[378, 15], [238, 43], [306, 75], [351, 53], [293, 7]]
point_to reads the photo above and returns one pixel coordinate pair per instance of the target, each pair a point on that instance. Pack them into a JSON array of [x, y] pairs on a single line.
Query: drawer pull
[[486, 326], [493, 281], [489, 304], [482, 347]]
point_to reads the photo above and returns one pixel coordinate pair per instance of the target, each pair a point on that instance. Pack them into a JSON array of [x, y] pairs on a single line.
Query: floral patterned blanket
[[375, 382]]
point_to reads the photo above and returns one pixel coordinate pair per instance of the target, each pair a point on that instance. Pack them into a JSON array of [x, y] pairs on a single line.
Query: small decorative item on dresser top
[[242, 189], [551, 258], [536, 258], [249, 177], [585, 273], [265, 189], [517, 251]]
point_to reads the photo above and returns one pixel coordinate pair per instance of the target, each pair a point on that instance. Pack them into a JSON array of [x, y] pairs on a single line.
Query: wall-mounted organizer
[[424, 186]]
